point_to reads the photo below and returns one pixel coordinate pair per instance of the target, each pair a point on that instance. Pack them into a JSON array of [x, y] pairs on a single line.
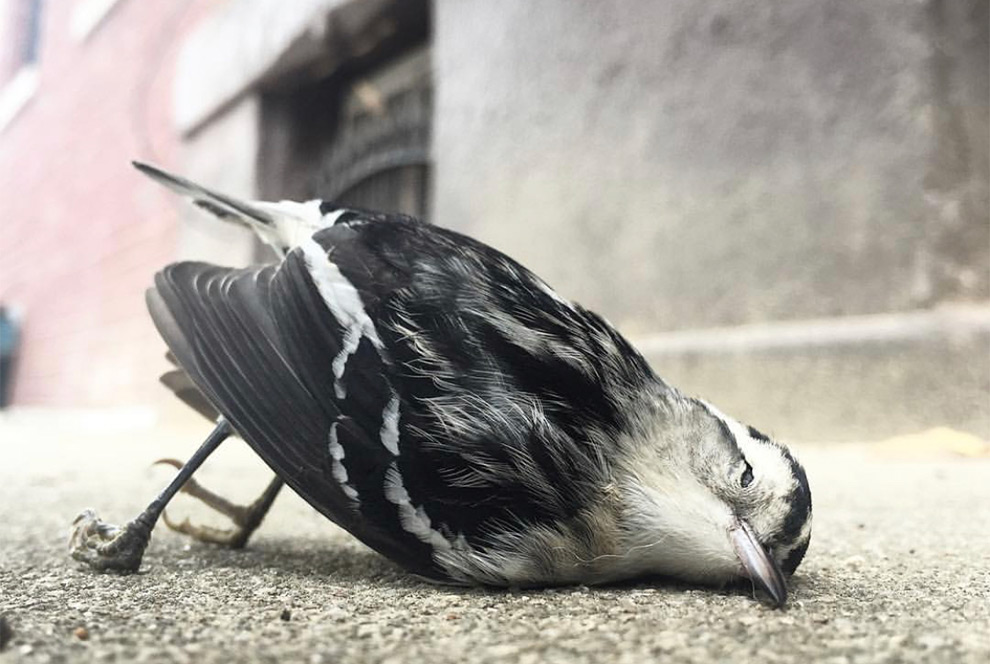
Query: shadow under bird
[[453, 412]]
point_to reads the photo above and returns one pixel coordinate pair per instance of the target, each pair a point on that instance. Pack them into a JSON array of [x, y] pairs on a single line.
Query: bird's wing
[[220, 324], [420, 388]]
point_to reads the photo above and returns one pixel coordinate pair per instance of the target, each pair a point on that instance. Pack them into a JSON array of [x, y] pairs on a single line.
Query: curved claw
[[245, 519], [232, 537], [104, 546], [87, 526]]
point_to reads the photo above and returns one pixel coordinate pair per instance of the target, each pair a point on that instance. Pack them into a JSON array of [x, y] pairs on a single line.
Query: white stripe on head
[[764, 458], [738, 431], [803, 536]]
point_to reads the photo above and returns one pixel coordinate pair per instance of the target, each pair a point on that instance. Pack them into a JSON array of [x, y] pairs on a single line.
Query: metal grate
[[401, 189], [378, 153]]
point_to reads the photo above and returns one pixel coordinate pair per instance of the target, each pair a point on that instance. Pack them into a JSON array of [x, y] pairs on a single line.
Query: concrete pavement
[[898, 570]]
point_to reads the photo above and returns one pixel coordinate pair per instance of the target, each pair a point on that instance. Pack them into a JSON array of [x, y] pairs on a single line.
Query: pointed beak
[[757, 563]]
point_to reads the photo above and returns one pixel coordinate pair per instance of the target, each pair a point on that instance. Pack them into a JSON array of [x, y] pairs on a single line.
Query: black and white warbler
[[449, 409]]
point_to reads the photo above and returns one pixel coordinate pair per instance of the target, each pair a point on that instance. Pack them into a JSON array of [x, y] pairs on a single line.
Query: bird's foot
[[246, 519], [104, 546]]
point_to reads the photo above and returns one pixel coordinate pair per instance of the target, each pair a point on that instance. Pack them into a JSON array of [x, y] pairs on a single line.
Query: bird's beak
[[757, 563]]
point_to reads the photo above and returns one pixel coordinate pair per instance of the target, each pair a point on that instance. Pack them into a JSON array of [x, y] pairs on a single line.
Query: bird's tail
[[220, 205]]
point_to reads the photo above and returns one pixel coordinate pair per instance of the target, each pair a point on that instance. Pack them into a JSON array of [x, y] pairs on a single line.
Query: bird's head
[[710, 500]]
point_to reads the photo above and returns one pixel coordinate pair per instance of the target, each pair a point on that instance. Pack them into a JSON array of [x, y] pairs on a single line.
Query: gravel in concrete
[[898, 570]]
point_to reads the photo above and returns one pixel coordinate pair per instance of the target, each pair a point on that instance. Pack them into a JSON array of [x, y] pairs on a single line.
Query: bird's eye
[[747, 476]]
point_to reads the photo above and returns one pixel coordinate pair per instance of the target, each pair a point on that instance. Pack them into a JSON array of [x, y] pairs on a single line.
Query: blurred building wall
[[686, 167], [708, 163], [80, 233], [784, 204]]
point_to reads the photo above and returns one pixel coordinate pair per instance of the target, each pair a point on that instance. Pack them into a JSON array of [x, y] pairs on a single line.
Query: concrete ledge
[[233, 48], [851, 378]]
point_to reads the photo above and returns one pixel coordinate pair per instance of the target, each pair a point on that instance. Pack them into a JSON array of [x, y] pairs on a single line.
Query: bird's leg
[[246, 518], [104, 546]]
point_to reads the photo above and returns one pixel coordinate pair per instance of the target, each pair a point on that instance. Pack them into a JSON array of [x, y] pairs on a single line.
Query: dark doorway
[[360, 133]]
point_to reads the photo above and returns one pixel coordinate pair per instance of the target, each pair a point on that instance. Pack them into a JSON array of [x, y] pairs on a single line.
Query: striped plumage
[[447, 407]]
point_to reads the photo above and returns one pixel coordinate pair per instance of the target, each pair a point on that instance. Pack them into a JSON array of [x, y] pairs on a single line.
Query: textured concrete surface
[[897, 571]]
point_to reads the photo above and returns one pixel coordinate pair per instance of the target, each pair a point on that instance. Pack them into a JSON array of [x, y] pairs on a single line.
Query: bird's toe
[[104, 546]]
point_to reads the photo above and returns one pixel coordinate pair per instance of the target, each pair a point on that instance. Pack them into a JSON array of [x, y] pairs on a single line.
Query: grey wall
[[696, 164]]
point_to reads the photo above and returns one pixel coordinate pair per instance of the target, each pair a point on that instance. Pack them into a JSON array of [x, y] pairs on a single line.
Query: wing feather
[[221, 326]]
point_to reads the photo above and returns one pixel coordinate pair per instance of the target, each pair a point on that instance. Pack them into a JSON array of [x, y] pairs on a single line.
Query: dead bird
[[448, 408]]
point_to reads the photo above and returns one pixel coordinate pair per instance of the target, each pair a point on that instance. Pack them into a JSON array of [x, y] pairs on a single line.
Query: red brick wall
[[81, 232], [11, 15]]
